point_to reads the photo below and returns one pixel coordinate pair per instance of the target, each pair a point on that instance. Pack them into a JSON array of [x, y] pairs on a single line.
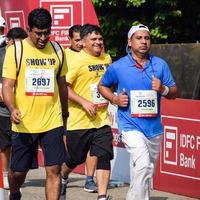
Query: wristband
[[166, 91]]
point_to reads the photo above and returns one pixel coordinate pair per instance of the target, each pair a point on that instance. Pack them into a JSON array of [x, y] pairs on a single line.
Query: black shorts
[[5, 132], [96, 140], [25, 149]]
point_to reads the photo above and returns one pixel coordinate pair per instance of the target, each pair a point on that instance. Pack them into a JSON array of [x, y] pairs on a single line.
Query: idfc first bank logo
[[64, 14], [181, 145]]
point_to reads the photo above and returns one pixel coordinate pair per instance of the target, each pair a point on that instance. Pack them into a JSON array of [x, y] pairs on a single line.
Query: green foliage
[[136, 3], [170, 21]]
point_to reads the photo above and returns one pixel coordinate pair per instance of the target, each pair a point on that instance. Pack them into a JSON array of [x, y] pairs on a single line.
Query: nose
[[43, 36]]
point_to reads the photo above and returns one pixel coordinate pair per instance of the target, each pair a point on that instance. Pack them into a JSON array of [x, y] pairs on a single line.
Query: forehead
[[41, 30], [141, 33], [94, 34], [76, 34]]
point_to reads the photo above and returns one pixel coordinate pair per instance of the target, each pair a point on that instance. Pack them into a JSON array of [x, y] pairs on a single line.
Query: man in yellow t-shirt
[[75, 42], [90, 163], [35, 95], [88, 124]]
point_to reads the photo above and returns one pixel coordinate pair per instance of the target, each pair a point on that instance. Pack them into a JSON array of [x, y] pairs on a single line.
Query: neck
[[140, 59], [92, 53]]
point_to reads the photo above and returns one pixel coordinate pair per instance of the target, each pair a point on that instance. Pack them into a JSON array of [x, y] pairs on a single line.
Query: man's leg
[[54, 154], [5, 145], [23, 158], [64, 174], [53, 179], [91, 162], [102, 148], [141, 163], [5, 156], [16, 180], [103, 177]]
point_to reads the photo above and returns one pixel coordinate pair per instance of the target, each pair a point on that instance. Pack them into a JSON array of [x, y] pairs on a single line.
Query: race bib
[[144, 103], [97, 98], [39, 82]]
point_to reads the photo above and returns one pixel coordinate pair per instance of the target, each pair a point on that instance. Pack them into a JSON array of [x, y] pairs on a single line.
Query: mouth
[[143, 48], [41, 44], [98, 47]]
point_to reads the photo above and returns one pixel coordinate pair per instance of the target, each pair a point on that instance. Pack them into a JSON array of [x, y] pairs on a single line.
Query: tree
[[170, 21]]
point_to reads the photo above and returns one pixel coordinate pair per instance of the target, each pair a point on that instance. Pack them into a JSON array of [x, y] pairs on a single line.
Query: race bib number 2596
[[144, 103]]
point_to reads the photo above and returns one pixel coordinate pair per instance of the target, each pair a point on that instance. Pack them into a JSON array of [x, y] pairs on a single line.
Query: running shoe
[[90, 186]]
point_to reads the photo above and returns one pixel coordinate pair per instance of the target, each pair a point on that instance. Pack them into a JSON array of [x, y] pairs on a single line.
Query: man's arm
[[63, 92], [8, 97], [120, 100], [87, 105], [1, 95], [167, 92]]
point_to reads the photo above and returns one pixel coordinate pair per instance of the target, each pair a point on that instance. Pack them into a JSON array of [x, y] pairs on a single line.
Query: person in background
[[75, 47], [5, 140], [88, 123], [35, 95], [16, 33], [141, 80]]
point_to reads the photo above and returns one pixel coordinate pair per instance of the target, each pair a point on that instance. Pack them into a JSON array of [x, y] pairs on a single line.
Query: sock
[[64, 180], [101, 197], [5, 173], [89, 178]]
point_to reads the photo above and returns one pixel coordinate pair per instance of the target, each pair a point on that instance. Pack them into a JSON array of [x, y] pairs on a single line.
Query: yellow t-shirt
[[36, 89], [70, 54], [85, 71]]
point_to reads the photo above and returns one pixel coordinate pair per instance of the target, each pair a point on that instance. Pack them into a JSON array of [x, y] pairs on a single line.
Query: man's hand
[[156, 84], [16, 116], [121, 100], [90, 107], [1, 95]]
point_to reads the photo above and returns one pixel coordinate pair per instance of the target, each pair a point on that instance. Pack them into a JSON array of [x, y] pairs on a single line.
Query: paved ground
[[34, 189]]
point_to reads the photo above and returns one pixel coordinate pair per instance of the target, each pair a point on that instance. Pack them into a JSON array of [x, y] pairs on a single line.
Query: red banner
[[65, 13], [178, 170]]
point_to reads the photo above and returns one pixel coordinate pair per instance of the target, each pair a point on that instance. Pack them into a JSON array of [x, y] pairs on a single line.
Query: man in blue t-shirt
[[141, 79]]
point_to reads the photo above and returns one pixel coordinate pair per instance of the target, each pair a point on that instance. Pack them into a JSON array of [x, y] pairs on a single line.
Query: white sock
[[64, 180], [5, 173]]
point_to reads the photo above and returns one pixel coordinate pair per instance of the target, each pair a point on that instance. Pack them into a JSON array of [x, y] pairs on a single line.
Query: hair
[[39, 18], [88, 29], [76, 28], [2, 29], [16, 33]]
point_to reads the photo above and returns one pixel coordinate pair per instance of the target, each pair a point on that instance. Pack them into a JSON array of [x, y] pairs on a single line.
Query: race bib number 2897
[[39, 82]]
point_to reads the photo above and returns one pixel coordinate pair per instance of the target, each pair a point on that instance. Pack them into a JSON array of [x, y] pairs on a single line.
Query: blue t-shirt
[[124, 74]]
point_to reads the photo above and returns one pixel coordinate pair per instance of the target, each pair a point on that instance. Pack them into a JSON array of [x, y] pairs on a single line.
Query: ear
[[129, 42], [28, 29]]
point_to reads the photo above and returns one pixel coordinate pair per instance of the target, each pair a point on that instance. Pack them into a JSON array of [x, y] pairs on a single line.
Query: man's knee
[[69, 162], [53, 170], [17, 175], [104, 162]]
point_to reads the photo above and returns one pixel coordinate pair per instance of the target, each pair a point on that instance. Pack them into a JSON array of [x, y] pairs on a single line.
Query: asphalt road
[[33, 189]]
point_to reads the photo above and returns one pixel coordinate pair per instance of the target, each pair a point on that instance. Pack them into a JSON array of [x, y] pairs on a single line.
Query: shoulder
[[121, 62], [157, 60], [106, 56]]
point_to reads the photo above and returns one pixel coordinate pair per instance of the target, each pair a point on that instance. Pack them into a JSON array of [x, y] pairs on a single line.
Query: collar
[[135, 63], [73, 49]]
